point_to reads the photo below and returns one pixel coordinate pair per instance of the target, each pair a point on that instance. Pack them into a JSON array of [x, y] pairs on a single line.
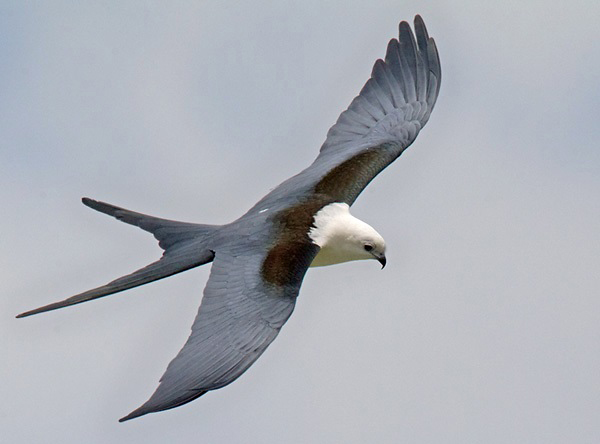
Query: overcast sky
[[484, 326]]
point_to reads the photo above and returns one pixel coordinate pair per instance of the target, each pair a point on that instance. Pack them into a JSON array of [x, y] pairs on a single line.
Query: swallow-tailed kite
[[260, 259]]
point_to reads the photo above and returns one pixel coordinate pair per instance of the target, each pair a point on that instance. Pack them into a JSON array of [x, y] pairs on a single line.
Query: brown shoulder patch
[[293, 251], [347, 180], [286, 263]]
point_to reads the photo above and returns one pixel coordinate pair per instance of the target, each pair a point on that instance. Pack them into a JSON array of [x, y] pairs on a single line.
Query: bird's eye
[[368, 247]]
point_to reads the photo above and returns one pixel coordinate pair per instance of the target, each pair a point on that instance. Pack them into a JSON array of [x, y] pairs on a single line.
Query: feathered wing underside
[[240, 315]]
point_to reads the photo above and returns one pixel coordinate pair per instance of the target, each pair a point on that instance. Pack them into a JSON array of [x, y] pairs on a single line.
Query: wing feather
[[408, 53]]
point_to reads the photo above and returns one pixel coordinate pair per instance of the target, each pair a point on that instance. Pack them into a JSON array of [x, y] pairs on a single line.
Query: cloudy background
[[484, 326]]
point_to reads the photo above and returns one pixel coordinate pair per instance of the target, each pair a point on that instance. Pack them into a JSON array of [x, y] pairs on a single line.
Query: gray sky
[[484, 326]]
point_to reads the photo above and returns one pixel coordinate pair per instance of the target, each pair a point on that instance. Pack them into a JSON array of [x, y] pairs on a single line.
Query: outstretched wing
[[380, 123], [240, 315]]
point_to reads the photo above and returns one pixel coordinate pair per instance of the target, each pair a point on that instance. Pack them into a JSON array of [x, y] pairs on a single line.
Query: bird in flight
[[260, 259]]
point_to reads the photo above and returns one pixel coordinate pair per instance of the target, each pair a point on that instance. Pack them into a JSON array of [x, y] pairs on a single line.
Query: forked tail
[[185, 246]]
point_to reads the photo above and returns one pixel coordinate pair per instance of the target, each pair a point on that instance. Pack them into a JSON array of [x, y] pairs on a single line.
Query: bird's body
[[260, 259]]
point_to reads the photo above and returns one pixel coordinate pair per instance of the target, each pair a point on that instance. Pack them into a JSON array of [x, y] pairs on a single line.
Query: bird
[[260, 259]]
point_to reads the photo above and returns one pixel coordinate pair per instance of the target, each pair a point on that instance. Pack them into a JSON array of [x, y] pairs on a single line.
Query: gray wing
[[240, 315], [380, 123]]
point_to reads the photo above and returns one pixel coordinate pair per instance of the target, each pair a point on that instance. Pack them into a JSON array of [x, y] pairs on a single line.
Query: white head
[[342, 237]]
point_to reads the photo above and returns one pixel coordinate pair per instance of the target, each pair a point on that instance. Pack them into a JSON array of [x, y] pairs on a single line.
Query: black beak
[[382, 261]]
